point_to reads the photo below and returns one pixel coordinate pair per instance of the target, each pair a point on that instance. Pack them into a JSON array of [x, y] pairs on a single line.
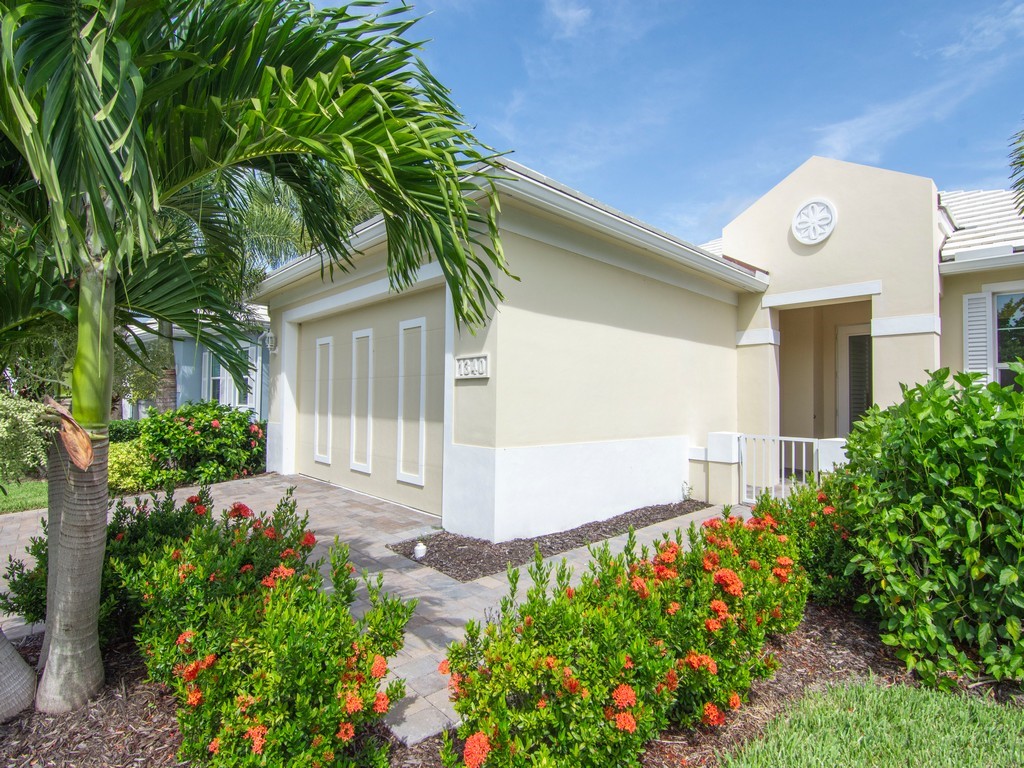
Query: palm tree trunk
[[56, 476], [74, 668], [17, 681]]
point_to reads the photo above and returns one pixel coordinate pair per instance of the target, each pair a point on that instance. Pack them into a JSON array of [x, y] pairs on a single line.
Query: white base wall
[[275, 447], [508, 493]]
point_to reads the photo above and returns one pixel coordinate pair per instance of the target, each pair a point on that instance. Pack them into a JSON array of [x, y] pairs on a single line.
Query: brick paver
[[368, 525]]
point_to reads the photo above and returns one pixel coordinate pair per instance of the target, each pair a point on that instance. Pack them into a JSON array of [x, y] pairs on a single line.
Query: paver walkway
[[368, 525]]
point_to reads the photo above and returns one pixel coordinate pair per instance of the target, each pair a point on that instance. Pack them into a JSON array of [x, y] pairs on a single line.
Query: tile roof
[[982, 219]]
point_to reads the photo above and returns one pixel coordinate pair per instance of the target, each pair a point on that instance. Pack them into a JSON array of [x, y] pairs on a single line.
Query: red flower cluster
[[258, 734], [734, 700], [214, 747], [712, 715], [730, 583], [195, 697], [713, 522], [672, 608], [668, 554], [712, 625], [638, 585], [720, 609], [193, 499], [624, 696], [697, 660], [624, 721], [353, 703], [444, 667], [711, 561], [345, 731], [184, 570], [185, 637], [381, 703], [246, 568], [308, 540], [279, 572], [379, 667], [289, 553], [478, 746], [238, 509]]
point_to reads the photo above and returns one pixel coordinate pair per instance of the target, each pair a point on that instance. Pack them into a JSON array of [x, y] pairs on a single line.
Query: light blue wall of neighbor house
[[188, 364]]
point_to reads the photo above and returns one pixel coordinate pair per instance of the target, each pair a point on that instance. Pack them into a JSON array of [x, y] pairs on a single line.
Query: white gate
[[775, 464]]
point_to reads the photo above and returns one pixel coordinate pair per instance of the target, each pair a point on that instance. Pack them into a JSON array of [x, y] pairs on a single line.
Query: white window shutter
[[978, 334]]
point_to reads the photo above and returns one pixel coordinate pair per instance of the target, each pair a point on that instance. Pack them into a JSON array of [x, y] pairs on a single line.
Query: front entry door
[[853, 375]]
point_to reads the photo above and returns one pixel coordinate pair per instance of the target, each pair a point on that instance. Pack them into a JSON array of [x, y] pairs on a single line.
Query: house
[[628, 367], [199, 375]]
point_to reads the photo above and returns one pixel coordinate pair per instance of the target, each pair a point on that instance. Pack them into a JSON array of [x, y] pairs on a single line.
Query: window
[[1009, 334], [218, 386], [994, 330]]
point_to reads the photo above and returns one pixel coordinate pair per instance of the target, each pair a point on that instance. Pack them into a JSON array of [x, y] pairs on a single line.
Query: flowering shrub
[[137, 527], [936, 487], [819, 520], [202, 443], [268, 669], [585, 675]]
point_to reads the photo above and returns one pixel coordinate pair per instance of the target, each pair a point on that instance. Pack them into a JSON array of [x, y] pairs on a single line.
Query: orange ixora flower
[[353, 703], [195, 697], [712, 715], [781, 574], [711, 561], [720, 609], [277, 574], [730, 583], [734, 700], [381, 703], [185, 637], [785, 562], [444, 667], [346, 731], [624, 696], [697, 660], [638, 585], [258, 734], [238, 509], [672, 608], [214, 746], [712, 625], [380, 666], [476, 750], [624, 721]]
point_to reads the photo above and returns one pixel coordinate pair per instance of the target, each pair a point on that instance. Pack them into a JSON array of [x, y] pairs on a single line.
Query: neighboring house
[[198, 376], [624, 366], [201, 377]]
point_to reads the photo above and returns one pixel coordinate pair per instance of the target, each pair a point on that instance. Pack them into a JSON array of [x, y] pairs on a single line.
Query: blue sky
[[683, 112]]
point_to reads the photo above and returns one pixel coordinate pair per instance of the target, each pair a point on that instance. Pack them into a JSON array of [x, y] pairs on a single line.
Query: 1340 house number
[[471, 367]]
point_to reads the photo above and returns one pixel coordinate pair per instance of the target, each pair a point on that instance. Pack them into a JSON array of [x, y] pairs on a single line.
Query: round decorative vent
[[814, 221]]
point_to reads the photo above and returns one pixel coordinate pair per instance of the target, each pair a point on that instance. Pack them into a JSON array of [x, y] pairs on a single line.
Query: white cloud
[[988, 32], [568, 16]]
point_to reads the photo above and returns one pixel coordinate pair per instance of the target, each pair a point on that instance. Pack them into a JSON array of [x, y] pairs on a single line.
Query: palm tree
[[133, 117]]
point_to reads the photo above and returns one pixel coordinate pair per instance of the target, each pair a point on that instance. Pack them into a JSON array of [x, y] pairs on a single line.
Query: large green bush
[[268, 668], [585, 675], [936, 487], [202, 443]]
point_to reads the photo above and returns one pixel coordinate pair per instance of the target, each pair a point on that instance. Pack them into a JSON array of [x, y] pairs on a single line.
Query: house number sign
[[472, 367]]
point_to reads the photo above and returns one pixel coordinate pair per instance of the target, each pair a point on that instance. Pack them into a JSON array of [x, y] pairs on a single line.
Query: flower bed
[[585, 675]]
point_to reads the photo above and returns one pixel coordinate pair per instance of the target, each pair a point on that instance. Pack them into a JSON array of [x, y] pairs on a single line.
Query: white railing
[[775, 464]]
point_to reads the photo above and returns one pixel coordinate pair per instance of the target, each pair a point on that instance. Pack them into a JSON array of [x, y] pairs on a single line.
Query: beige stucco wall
[[885, 231], [590, 352], [954, 287], [384, 319], [886, 236]]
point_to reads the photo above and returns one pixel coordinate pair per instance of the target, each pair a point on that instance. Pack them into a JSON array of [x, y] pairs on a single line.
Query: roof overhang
[[518, 182]]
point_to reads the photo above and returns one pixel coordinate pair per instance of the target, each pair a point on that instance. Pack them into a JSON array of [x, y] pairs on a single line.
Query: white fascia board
[[825, 294], [981, 264], [548, 195], [370, 235]]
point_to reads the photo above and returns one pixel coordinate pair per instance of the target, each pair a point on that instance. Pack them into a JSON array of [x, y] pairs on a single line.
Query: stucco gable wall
[[886, 231]]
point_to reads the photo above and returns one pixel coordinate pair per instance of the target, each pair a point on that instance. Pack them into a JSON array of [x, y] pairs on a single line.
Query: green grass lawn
[[28, 494], [869, 726]]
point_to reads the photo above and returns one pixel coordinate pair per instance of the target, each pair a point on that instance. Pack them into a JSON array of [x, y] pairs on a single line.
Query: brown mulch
[[130, 724], [466, 559]]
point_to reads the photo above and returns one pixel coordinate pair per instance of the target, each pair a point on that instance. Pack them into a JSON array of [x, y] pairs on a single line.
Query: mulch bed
[[465, 558]]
